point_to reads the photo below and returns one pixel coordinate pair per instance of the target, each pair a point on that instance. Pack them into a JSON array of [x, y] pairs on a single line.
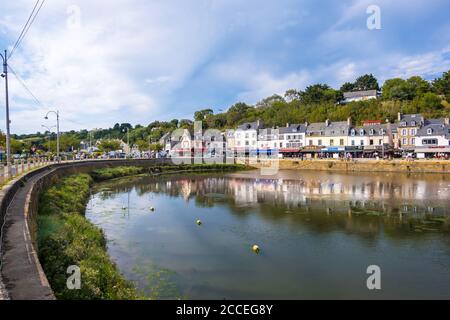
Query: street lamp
[[57, 130], [128, 140], [8, 138]]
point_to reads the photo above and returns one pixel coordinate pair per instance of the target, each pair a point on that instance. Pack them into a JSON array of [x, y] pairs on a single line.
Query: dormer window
[[361, 132], [372, 132], [429, 131], [353, 132], [403, 124], [413, 123]]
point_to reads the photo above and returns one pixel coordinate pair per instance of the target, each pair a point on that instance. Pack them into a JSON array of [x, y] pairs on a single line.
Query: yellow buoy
[[256, 249], [199, 222]]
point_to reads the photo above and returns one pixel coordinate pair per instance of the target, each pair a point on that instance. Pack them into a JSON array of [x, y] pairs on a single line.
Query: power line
[[22, 82], [27, 26]]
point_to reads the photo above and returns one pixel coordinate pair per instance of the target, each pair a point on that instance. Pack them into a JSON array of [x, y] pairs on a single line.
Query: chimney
[[327, 122], [287, 125], [349, 121], [446, 121], [399, 116]]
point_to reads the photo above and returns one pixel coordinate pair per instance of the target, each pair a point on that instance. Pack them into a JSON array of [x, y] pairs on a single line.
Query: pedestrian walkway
[[20, 271]]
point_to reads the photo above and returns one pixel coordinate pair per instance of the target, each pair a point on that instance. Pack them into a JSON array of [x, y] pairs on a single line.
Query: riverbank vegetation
[[66, 238]]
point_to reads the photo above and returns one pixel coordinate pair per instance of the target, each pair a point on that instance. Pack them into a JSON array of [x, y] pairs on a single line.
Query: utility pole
[[8, 137]]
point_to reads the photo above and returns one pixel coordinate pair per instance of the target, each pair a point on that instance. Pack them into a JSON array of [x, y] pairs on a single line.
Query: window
[[412, 132], [380, 142], [353, 142], [404, 141], [413, 140], [429, 141], [341, 142], [429, 131], [353, 132], [361, 142], [361, 132], [281, 144], [371, 142], [372, 132], [246, 136], [331, 142], [413, 123], [310, 142], [319, 142], [403, 124], [404, 132]]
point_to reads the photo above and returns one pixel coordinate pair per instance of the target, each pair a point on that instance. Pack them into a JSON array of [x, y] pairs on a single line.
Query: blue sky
[[102, 62]]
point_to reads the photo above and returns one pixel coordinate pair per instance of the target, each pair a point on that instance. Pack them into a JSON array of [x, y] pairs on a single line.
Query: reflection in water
[[318, 232]]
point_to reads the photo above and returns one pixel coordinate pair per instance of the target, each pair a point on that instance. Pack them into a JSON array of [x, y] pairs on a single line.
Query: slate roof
[[293, 128], [411, 120], [251, 126], [333, 129]]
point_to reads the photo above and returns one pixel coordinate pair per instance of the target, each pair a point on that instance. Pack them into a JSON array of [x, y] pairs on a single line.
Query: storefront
[[439, 152]]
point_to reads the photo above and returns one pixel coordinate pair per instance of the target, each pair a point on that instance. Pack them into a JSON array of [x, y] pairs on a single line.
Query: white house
[[360, 96], [268, 141], [246, 138], [291, 138], [433, 138]]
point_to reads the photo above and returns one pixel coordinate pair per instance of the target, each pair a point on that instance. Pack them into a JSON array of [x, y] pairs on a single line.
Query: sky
[[105, 62]]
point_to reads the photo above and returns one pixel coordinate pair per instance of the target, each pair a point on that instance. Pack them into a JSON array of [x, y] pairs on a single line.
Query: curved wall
[[21, 271]]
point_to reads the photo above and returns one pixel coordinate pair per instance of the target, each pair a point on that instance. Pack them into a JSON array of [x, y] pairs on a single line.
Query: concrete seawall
[[21, 274], [401, 166]]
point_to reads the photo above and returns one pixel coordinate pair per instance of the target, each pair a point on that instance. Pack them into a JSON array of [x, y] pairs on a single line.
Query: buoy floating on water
[[124, 208], [256, 249], [152, 209], [198, 222]]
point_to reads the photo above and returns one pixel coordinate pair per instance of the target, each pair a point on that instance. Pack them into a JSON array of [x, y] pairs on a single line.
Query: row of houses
[[410, 135]]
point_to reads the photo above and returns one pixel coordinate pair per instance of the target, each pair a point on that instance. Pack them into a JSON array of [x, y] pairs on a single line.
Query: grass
[[66, 237]]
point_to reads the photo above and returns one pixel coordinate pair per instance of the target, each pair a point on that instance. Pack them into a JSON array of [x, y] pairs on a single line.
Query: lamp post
[[128, 140], [57, 130], [8, 137]]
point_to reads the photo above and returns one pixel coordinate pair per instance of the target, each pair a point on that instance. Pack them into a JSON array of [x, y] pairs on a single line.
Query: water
[[318, 233]]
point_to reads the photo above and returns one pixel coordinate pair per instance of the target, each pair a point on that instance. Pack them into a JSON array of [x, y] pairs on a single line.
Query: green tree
[[202, 114], [347, 87], [109, 145], [442, 85], [156, 147], [142, 145], [366, 82]]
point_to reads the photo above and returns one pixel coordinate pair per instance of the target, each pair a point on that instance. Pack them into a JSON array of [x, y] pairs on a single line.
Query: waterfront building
[[267, 141], [328, 138], [181, 141], [246, 138], [291, 139], [371, 139], [408, 125], [433, 139]]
